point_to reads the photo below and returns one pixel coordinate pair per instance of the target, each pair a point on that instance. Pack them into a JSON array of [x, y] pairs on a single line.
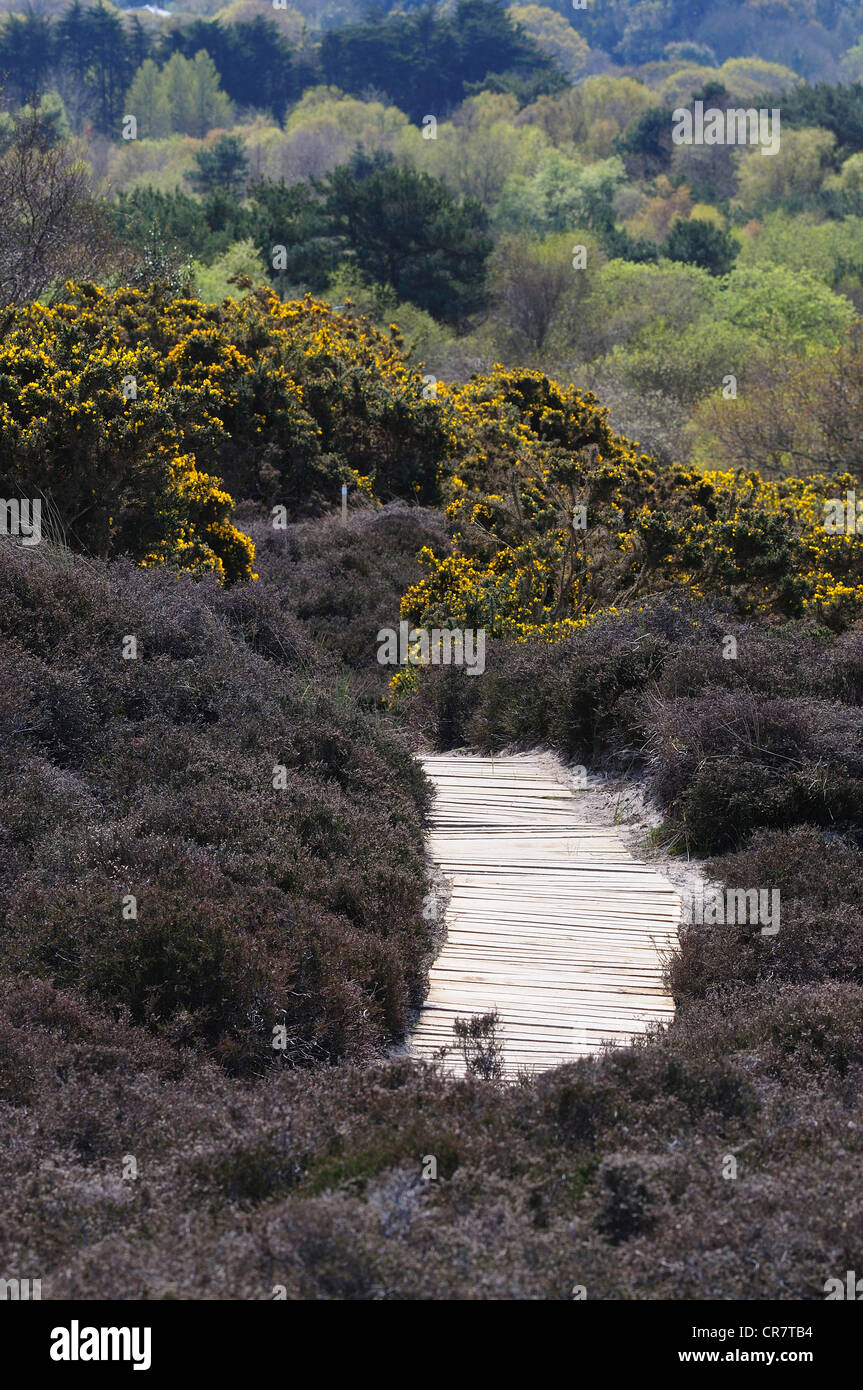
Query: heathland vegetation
[[588, 390]]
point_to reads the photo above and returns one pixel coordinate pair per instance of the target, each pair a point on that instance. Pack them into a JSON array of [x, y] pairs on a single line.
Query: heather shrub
[[818, 868], [792, 660], [313, 1180], [342, 584], [847, 666], [725, 762], [770, 737], [169, 877], [575, 695], [246, 1174], [813, 944], [820, 881], [782, 1030], [629, 1203]]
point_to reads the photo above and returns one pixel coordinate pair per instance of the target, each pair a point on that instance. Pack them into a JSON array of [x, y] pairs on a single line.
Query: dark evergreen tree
[[292, 216], [253, 58], [406, 230], [700, 243], [839, 109], [424, 62], [200, 230], [27, 55], [222, 166], [646, 145]]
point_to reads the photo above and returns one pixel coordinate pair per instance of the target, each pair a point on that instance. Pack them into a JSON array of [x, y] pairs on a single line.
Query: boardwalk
[[551, 920]]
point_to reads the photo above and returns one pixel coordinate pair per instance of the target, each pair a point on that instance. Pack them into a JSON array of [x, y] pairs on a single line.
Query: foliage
[[528, 562], [553, 35], [282, 401], [407, 232], [114, 470], [255, 61], [53, 224], [222, 166], [237, 269], [183, 97], [540, 298], [836, 109], [793, 177], [699, 243], [255, 906], [425, 62], [343, 583], [794, 417]]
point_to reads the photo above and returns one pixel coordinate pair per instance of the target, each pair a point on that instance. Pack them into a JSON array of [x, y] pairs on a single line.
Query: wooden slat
[[550, 921]]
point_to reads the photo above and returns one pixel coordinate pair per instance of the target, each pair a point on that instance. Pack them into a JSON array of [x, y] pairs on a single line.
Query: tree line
[[423, 61]]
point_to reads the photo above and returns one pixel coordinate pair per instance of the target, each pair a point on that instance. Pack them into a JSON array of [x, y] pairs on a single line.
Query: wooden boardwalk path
[[551, 920]]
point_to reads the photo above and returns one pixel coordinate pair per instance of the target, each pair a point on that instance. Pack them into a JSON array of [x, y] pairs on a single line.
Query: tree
[[253, 59], [837, 109], [646, 144], [405, 229], [183, 97], [147, 101], [27, 52], [553, 35], [109, 64], [701, 243], [609, 105], [477, 154], [792, 177], [45, 123], [290, 215], [193, 228], [794, 418], [237, 270], [191, 91], [748, 78], [54, 228], [426, 62], [562, 195], [788, 310], [537, 291], [223, 166]]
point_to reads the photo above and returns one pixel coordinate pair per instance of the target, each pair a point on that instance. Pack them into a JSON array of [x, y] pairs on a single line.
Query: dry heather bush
[[606, 1172], [342, 584], [773, 737], [153, 778], [820, 881]]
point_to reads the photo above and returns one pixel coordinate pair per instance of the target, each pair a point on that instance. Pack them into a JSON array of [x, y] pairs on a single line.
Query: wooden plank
[[550, 920]]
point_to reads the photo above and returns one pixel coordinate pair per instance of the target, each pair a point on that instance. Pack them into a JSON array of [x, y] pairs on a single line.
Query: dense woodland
[[449, 257]]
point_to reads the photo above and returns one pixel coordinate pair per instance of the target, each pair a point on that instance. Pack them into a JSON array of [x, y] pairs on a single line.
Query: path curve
[[551, 920]]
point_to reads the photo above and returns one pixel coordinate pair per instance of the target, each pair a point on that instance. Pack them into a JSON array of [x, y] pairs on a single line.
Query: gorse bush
[[125, 411], [137, 418], [556, 518]]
